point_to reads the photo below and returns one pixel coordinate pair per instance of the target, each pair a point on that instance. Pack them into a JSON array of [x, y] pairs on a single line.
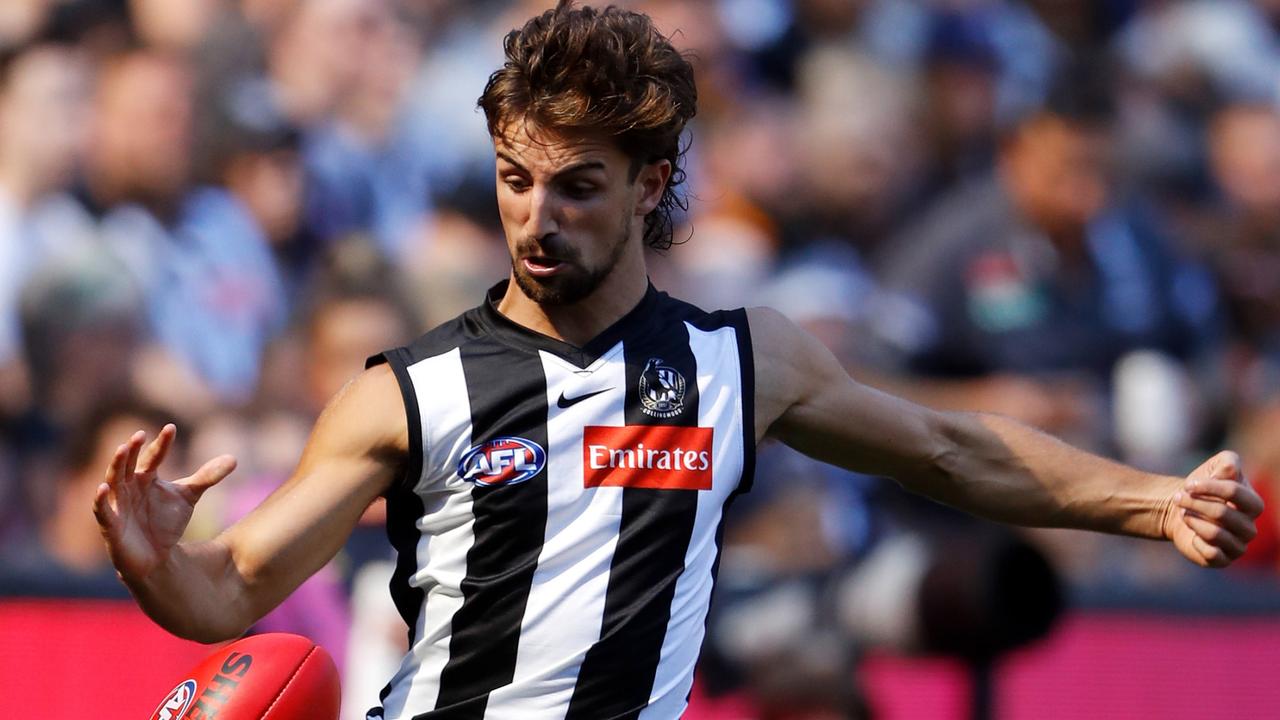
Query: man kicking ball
[[557, 461]]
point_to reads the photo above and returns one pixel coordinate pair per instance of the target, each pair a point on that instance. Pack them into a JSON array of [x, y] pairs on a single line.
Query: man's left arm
[[988, 465]]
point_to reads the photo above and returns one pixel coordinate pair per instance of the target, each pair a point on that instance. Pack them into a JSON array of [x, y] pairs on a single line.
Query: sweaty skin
[[575, 208]]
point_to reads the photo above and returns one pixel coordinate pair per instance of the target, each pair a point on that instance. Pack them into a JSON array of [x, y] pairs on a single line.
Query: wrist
[[1166, 513]]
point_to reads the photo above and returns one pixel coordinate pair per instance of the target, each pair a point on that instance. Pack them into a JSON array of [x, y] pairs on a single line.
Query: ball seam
[[292, 676]]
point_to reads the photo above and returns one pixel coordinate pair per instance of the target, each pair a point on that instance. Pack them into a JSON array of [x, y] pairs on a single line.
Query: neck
[[578, 323], [105, 188], [109, 189]]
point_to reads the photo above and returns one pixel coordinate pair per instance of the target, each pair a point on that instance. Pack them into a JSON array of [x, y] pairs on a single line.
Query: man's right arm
[[212, 591]]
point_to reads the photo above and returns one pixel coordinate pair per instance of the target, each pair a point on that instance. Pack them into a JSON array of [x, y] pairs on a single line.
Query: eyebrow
[[576, 167]]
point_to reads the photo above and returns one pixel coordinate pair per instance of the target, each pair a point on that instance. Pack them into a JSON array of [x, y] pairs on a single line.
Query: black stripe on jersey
[[737, 319], [510, 522], [617, 674], [404, 506]]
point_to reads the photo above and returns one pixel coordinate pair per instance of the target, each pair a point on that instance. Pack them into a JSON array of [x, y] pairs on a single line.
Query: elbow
[[946, 432], [937, 456]]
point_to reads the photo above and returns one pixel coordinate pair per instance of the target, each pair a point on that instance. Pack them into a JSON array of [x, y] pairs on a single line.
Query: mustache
[[549, 247]]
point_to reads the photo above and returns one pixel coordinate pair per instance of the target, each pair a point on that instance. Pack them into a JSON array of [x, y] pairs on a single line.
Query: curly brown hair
[[600, 71]]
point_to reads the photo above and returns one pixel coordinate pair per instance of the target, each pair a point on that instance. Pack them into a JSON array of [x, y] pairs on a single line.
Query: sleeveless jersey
[[558, 529]]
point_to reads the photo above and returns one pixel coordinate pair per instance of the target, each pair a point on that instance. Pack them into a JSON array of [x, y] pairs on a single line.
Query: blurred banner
[[73, 659], [102, 659]]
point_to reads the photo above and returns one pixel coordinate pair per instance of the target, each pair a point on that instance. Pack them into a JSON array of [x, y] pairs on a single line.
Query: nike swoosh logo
[[565, 402]]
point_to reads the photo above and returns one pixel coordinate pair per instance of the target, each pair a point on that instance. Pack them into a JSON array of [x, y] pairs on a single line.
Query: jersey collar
[[636, 321]]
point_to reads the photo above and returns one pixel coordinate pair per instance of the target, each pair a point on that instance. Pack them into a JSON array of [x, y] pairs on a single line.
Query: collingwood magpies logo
[[661, 390]]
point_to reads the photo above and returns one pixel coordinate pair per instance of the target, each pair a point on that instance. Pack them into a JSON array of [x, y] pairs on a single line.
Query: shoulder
[[372, 401], [784, 352], [770, 327], [365, 419], [787, 357], [792, 366]]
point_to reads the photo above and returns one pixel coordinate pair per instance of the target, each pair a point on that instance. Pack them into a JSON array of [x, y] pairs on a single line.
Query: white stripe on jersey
[[566, 601], [446, 529], [719, 406]]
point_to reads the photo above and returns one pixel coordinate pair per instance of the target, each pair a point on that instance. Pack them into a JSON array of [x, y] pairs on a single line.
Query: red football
[[274, 676]]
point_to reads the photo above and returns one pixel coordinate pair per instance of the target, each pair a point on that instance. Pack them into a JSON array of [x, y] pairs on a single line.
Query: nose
[[544, 215]]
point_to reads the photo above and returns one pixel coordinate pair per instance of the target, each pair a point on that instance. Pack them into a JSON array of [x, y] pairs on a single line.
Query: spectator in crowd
[[43, 109], [258, 158], [1041, 274], [214, 295], [82, 326], [368, 172], [960, 74], [858, 146], [1243, 240]]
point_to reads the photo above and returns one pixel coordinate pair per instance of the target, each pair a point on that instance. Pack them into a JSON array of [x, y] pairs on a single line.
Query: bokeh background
[[211, 211]]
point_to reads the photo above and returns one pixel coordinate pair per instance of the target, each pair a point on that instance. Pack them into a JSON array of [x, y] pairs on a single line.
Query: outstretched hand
[[1210, 519], [141, 516]]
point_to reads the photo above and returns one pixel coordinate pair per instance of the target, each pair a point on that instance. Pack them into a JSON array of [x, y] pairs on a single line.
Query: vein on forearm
[[1000, 469]]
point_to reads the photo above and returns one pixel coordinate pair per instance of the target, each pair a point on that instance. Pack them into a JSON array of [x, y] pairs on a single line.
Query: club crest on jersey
[[502, 461], [661, 390], [176, 702]]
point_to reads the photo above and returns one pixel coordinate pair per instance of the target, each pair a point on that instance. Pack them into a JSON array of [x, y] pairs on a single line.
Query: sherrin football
[[273, 676]]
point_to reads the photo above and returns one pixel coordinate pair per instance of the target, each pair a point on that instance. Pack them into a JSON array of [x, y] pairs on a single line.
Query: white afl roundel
[[502, 461], [176, 702]]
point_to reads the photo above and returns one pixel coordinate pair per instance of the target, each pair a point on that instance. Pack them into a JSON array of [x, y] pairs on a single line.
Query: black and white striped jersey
[[558, 530]]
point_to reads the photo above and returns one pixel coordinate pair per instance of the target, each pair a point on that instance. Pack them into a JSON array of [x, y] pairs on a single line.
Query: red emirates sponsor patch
[[658, 457]]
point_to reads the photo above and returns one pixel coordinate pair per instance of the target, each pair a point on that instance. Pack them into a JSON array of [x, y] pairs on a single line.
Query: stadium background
[[212, 210]]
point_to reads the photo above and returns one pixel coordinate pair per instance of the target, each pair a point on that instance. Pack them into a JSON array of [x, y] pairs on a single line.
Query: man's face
[[571, 209], [144, 124], [1244, 144], [43, 114], [1058, 172]]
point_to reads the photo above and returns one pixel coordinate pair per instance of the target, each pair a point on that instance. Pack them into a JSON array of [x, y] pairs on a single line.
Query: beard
[[575, 282]]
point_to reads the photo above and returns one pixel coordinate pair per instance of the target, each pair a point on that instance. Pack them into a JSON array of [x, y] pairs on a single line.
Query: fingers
[[1215, 536], [156, 451], [209, 474], [135, 447], [123, 461], [1212, 556], [1227, 491], [117, 470], [1225, 466], [106, 516], [1218, 507], [1220, 514]]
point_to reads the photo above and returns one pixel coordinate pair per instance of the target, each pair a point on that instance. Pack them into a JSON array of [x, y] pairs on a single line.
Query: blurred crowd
[[212, 211]]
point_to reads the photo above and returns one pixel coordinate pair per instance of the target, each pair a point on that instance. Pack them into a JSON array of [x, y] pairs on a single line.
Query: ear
[[650, 183]]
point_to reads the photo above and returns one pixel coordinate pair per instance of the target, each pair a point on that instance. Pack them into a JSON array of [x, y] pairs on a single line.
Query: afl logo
[[661, 390], [502, 461], [176, 703]]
